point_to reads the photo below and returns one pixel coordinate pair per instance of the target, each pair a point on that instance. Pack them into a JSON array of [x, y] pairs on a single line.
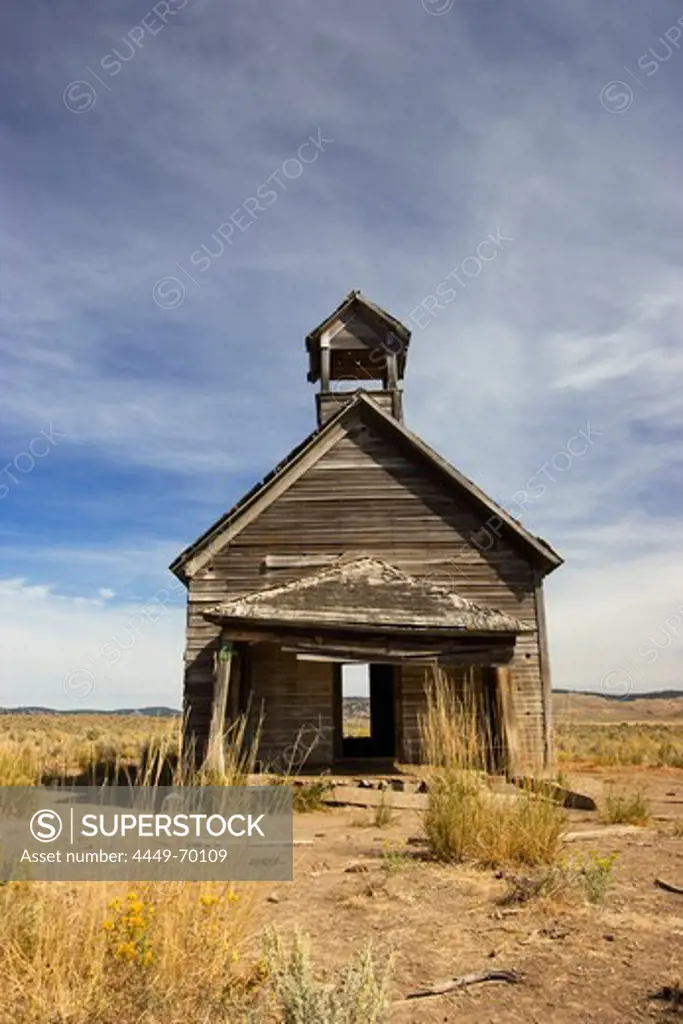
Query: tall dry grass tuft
[[452, 733], [162, 953], [464, 820], [240, 750]]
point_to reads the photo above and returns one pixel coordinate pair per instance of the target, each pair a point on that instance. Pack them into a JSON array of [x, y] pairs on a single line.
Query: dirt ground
[[580, 963]]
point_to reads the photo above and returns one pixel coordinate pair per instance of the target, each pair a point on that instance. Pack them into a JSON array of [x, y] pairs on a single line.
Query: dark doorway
[[380, 740], [382, 716], [496, 753]]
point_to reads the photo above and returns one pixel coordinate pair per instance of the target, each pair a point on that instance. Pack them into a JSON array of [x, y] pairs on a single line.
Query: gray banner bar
[[136, 834]]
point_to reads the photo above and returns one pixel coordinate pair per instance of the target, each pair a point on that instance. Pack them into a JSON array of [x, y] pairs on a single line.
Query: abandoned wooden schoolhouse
[[364, 547]]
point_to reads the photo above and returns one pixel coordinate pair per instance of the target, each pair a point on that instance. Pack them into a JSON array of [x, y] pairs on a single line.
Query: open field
[[578, 960], [648, 745], [41, 747], [571, 708]]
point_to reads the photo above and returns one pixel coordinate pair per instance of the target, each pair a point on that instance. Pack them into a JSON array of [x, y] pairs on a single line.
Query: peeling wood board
[[353, 796]]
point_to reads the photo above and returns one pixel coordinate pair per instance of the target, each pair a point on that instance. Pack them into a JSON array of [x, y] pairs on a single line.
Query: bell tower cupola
[[359, 346]]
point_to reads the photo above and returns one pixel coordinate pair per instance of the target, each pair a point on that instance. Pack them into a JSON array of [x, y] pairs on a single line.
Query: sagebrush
[[358, 993]]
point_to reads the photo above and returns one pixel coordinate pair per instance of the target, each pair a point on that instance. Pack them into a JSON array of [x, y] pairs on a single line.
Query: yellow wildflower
[[209, 901]]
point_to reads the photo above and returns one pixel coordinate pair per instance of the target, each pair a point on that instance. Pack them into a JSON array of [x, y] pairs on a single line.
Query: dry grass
[[588, 874], [163, 952], [626, 808], [111, 749], [652, 746], [464, 820], [35, 747], [310, 796], [74, 954], [187, 952], [357, 725]]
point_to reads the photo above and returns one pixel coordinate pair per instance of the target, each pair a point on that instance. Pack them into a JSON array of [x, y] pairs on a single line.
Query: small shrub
[[589, 874], [550, 882], [626, 808], [383, 814], [463, 822], [595, 875], [311, 796], [358, 994], [394, 857], [677, 829], [306, 797]]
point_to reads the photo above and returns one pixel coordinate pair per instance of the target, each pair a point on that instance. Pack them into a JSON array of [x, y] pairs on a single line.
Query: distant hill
[[151, 712], [654, 695], [659, 706], [568, 705]]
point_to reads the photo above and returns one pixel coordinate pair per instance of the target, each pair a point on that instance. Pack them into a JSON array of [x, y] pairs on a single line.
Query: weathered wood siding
[[294, 699], [368, 495], [411, 679]]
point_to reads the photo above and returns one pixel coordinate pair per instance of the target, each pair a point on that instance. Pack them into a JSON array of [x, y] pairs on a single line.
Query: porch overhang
[[317, 640], [367, 610]]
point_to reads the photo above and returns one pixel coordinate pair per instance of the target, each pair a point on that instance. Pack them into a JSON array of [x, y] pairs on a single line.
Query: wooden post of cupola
[[391, 375], [215, 751], [391, 378], [325, 362]]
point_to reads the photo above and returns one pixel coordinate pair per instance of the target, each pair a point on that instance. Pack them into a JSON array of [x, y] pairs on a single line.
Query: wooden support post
[[508, 720], [215, 753], [544, 666], [391, 378], [325, 362]]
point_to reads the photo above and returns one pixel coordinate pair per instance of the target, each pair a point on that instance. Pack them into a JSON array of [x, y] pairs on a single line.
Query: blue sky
[[130, 135]]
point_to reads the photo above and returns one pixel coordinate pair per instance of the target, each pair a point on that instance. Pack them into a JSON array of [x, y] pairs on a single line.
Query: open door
[[376, 737], [382, 711]]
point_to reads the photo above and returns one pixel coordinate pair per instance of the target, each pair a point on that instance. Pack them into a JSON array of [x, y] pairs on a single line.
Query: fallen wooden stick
[[668, 887], [605, 832], [476, 978]]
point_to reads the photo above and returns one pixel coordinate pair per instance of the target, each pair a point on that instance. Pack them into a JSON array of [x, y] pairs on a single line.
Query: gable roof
[[356, 298], [313, 448], [366, 593]]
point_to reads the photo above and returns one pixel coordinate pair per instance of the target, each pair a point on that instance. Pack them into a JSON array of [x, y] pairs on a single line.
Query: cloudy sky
[[152, 368]]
